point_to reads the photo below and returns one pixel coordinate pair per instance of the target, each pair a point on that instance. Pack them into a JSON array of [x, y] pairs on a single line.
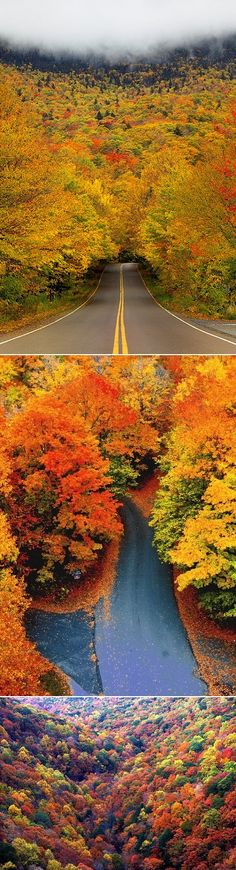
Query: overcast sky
[[136, 25]]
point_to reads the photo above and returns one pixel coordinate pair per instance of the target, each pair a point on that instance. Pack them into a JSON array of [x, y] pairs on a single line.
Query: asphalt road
[[137, 645], [120, 318], [67, 640], [141, 644]]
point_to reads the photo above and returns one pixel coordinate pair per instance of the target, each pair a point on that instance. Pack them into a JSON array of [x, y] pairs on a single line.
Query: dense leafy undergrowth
[[117, 783], [99, 161], [18, 308]]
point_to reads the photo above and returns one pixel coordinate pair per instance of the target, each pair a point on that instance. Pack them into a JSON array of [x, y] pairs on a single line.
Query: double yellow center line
[[120, 342]]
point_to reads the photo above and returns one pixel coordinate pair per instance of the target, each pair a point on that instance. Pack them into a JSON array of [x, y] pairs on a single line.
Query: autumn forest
[[117, 435], [117, 783], [98, 164], [83, 438]]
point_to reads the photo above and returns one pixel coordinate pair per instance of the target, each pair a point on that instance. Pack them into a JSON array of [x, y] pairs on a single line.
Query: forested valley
[[102, 163], [117, 783]]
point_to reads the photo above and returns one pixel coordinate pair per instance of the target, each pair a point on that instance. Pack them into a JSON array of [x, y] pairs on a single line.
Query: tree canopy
[[95, 163]]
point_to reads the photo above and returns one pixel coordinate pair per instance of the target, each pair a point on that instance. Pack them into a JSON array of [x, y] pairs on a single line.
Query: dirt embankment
[[144, 495], [213, 645], [85, 594]]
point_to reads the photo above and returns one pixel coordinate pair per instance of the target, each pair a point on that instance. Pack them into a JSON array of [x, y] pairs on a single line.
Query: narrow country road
[[140, 643], [142, 648], [121, 317]]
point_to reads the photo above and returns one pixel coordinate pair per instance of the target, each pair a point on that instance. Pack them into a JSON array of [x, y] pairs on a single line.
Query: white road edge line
[[46, 325], [204, 331]]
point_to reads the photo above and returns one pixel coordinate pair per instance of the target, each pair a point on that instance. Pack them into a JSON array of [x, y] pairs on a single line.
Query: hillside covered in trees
[[77, 433], [115, 783], [106, 162]]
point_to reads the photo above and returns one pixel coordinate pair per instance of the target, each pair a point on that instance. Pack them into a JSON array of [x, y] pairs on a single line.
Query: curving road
[[141, 646], [121, 317]]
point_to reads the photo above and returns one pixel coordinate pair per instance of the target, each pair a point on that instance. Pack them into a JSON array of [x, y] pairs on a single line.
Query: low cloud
[[113, 26]]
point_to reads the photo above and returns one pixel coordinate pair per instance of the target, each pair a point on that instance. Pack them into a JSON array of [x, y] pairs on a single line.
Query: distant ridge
[[211, 52]]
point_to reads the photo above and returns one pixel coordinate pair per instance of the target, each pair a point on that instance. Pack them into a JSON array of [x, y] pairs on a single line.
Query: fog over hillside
[[113, 29]]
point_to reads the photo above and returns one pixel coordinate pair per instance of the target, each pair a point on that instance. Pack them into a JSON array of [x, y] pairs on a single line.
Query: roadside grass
[[36, 308], [182, 302]]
